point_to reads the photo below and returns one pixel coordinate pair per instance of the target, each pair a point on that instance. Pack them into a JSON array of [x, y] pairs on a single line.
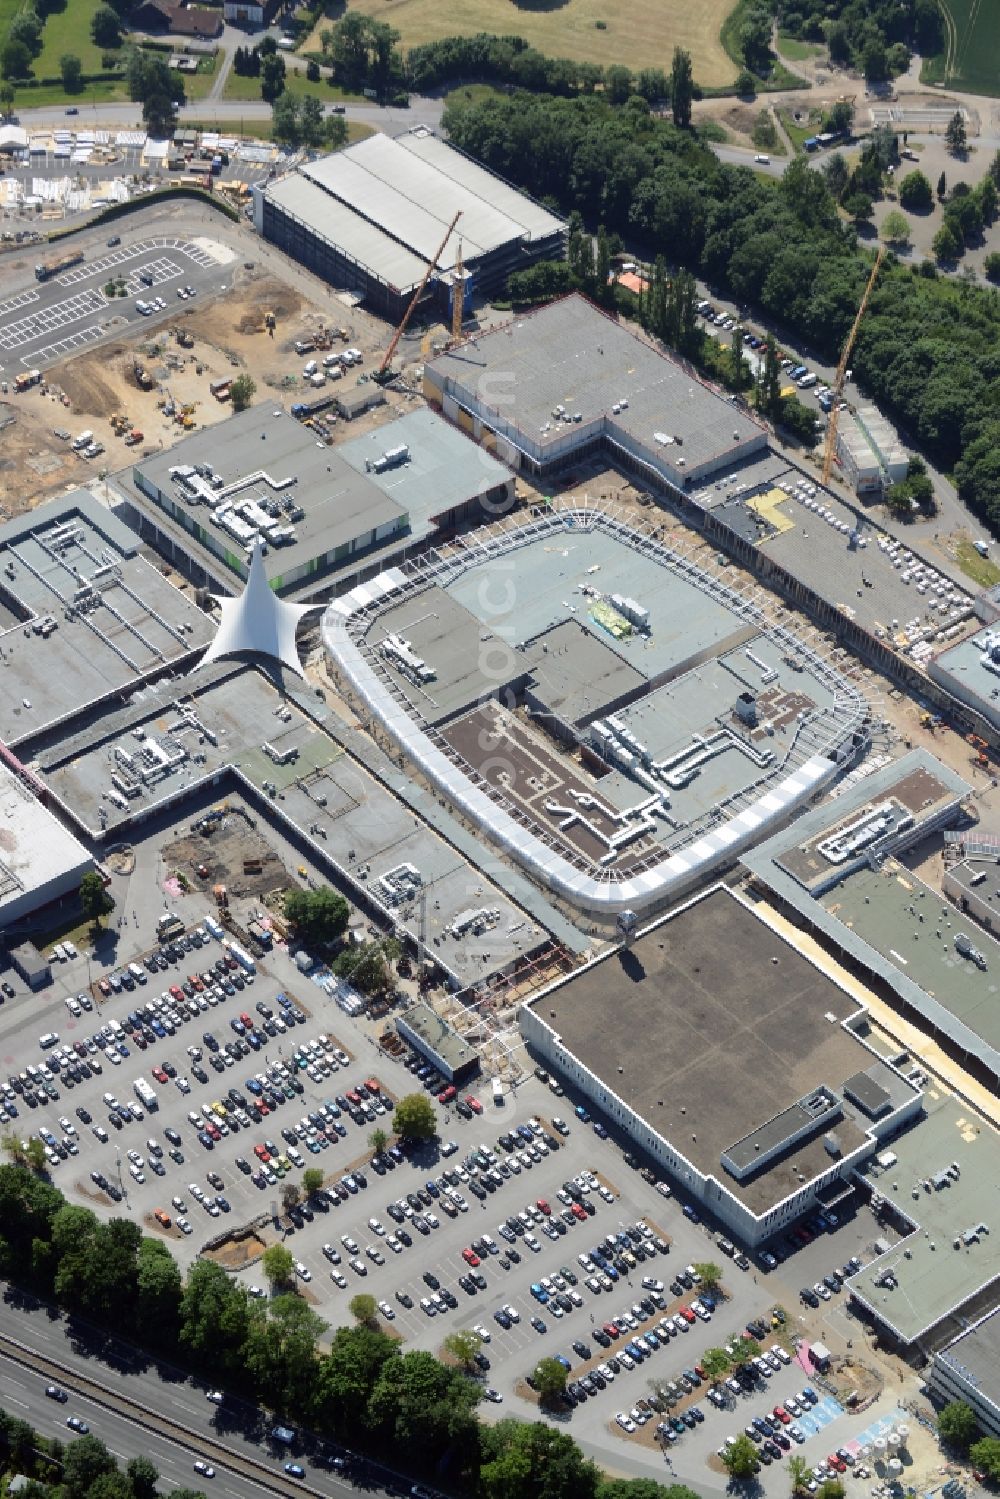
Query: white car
[[376, 1227], [338, 1279], [482, 1333], [216, 1396], [183, 1225], [387, 1311], [513, 1313], [822, 1290], [625, 1422], [302, 1271]]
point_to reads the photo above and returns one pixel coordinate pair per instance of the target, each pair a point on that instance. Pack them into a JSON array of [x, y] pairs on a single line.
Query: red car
[[685, 1311], [195, 982], [611, 1328], [782, 1415], [447, 1094], [578, 1212], [543, 1206], [837, 1462], [104, 986], [176, 992], [261, 1153], [213, 1130], [262, 1106], [473, 1103], [246, 1020], [159, 1074], [470, 1257], [354, 1098], [373, 1085]]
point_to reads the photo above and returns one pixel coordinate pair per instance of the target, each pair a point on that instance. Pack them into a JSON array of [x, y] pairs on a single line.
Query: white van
[[310, 368], [497, 1092], [765, 161]]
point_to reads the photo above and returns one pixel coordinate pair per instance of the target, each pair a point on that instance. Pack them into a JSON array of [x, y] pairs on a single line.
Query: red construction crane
[[384, 371]]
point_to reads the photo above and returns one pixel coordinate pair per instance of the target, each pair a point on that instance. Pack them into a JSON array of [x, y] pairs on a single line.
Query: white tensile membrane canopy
[[258, 621]]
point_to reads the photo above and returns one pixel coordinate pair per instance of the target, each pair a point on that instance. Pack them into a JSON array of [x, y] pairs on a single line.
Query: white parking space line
[[65, 346], [49, 319], [24, 300]]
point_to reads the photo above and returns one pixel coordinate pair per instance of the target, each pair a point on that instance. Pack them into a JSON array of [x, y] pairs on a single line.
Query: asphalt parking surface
[[512, 1352], [52, 320]]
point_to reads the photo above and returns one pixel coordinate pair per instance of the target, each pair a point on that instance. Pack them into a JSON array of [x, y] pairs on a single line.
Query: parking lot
[[72, 310], [487, 1196]]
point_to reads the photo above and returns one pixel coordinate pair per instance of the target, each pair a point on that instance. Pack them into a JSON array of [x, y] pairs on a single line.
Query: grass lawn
[[8, 10], [110, 92], [980, 569], [296, 83], [199, 85], [971, 58], [69, 31], [642, 33], [795, 50]]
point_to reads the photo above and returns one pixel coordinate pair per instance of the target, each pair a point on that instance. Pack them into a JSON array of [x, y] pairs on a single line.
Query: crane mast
[[841, 375], [384, 371]]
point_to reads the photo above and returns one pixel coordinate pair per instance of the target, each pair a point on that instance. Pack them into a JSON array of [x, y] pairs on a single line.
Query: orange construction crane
[[384, 371], [841, 375]]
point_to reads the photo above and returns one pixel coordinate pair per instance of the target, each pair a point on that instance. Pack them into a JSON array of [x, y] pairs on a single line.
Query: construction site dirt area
[[140, 394], [234, 855]]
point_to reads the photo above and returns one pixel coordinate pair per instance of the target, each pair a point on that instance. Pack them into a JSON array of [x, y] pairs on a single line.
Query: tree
[[106, 27], [143, 1477], [364, 1309], [312, 70], [535, 1461], [312, 124], [859, 206], [414, 1117], [95, 901], [942, 187], [242, 391], [946, 244], [378, 1140], [915, 193], [272, 77], [463, 1345], [745, 1349], [15, 60], [366, 965], [985, 1455], [896, 228], [550, 1380], [312, 1181], [641, 1488], [874, 61], [711, 1274], [291, 1195], [840, 117], [755, 39], [798, 1472], [278, 1265], [319, 916], [681, 88], [957, 1425], [837, 174], [740, 1460], [991, 266], [955, 136], [7, 95], [285, 120], [71, 71], [617, 83], [715, 1362], [84, 1462], [798, 420]]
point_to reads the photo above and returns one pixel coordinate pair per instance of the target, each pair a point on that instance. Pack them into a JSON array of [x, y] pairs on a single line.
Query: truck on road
[[46, 269]]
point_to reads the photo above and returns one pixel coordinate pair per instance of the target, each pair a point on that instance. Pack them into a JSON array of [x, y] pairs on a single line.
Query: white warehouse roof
[[388, 201], [39, 860]]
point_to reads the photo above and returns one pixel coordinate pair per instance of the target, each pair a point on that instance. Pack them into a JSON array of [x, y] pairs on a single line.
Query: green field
[[971, 57], [246, 90], [794, 50], [68, 31], [640, 33]]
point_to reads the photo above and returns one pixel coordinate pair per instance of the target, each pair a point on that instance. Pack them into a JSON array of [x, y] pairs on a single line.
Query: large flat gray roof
[[706, 1060], [36, 851], [571, 354], [444, 469], [387, 202], [137, 622], [932, 1276], [887, 918], [976, 1355], [870, 579], [340, 503]]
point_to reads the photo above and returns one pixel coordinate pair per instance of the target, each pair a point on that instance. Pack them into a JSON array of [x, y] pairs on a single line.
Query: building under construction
[[371, 218]]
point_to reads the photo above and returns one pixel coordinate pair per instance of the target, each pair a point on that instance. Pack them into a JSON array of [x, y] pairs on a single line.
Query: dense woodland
[[360, 1388], [874, 36], [928, 352]]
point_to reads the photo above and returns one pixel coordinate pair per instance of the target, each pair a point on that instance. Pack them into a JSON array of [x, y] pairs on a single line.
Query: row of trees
[[363, 53], [959, 1430], [926, 349], [360, 1389]]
